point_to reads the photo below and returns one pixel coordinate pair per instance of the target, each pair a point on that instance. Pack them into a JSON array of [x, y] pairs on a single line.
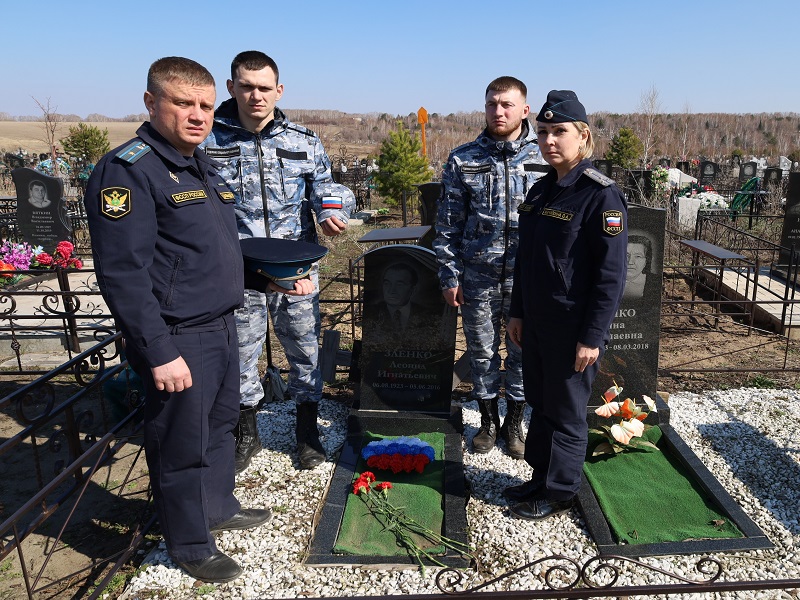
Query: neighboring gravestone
[[408, 333], [772, 177], [785, 165], [683, 165], [631, 359], [429, 194], [708, 172], [663, 162], [42, 218], [747, 171], [641, 181], [790, 236], [604, 166]]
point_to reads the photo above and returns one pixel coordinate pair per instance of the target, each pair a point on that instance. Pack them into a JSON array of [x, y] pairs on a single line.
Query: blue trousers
[[557, 438], [188, 439]]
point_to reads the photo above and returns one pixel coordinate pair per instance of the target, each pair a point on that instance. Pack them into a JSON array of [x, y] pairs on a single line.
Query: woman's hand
[[514, 330], [585, 356]]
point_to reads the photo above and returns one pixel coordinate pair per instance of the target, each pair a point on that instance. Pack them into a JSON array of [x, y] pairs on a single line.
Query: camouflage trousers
[[485, 309], [297, 326]]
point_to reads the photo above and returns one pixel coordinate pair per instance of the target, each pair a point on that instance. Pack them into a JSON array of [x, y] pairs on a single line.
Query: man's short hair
[[252, 60], [177, 68], [506, 83]]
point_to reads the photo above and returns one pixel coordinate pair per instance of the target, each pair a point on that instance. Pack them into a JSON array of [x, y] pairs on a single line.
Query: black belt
[[214, 325]]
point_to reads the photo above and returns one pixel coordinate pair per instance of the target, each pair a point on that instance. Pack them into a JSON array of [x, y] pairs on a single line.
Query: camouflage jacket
[[477, 224], [282, 172]]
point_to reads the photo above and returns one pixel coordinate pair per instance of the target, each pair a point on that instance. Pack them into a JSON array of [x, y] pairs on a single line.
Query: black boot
[[490, 423], [309, 449], [511, 431], [246, 434]]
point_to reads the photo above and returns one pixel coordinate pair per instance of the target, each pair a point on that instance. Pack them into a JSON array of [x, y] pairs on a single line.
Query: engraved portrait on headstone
[[408, 332], [42, 218], [631, 358], [747, 171], [708, 172]]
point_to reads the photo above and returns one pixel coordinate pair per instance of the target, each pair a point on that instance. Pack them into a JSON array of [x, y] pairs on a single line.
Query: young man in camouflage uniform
[[282, 180], [476, 242]]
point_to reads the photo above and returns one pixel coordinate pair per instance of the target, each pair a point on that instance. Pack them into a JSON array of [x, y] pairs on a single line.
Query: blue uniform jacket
[[164, 241], [572, 258]]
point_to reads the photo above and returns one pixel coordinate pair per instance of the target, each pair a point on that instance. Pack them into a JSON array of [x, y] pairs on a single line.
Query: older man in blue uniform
[[169, 266]]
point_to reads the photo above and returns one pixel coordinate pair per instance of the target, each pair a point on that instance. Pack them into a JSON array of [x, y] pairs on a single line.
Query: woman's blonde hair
[[588, 147]]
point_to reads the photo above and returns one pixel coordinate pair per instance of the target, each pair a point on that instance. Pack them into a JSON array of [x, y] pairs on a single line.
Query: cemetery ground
[[685, 339]]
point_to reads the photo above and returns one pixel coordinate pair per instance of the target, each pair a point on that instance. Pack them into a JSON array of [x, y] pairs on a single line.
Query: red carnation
[[386, 485], [65, 249]]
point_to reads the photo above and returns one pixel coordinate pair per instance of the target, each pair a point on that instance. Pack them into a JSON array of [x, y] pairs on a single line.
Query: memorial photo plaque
[[747, 170], [42, 218], [631, 359], [708, 172], [408, 333]]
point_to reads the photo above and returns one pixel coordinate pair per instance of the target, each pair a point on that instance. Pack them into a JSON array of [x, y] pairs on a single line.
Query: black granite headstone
[[772, 177], [631, 359], [683, 165], [747, 171], [429, 194], [641, 181], [663, 162], [708, 172], [790, 235], [408, 333], [604, 166], [42, 218]]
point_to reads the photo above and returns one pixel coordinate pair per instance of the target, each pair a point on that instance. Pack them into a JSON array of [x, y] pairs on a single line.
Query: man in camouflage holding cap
[[282, 180], [483, 183]]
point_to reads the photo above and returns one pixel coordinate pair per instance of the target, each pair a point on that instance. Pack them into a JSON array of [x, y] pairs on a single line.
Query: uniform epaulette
[[133, 152], [598, 177]]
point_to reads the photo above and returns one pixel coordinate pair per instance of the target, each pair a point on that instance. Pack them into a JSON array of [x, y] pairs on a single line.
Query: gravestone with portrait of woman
[[631, 359], [42, 218], [408, 333]]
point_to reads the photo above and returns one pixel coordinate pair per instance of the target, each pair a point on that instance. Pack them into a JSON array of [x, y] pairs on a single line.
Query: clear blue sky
[[380, 56]]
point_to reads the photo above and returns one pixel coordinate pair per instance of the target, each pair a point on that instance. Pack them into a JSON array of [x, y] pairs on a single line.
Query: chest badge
[[612, 222], [174, 177], [557, 214], [115, 202]]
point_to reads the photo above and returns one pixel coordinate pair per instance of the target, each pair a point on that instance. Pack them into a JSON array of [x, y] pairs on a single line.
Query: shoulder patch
[[598, 177], [115, 202], [133, 152], [612, 222]]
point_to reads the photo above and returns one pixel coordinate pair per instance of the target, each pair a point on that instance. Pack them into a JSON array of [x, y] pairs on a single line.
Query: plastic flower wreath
[[406, 454], [394, 519], [62, 257], [17, 256], [628, 431]]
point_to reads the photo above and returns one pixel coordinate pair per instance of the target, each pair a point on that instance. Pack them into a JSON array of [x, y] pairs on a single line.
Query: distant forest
[[678, 136]]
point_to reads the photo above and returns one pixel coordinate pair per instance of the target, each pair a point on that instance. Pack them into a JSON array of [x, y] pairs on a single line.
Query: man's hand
[[585, 356], [453, 296], [302, 287], [514, 330], [332, 226], [173, 376]]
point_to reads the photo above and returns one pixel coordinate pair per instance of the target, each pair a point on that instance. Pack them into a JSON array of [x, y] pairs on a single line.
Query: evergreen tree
[[86, 141], [400, 165], [625, 149]]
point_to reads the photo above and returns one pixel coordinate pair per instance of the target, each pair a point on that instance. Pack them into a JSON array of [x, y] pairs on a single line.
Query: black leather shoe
[[540, 508], [217, 568], [523, 492], [247, 518]]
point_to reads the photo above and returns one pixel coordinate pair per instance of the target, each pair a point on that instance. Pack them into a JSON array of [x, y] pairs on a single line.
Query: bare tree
[[650, 106], [687, 113], [51, 120]]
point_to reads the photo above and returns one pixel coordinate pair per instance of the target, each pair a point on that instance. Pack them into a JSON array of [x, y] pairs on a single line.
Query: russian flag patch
[[612, 222], [332, 202]]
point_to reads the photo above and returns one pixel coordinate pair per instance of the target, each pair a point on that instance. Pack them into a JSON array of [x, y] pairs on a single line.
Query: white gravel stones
[[749, 438]]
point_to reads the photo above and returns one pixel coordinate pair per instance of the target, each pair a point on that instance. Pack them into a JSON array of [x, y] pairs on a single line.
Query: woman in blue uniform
[[568, 281]]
